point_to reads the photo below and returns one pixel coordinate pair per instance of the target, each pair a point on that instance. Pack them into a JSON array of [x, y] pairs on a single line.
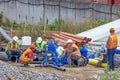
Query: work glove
[[35, 57]]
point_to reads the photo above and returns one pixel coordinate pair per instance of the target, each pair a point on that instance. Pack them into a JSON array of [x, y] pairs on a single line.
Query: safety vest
[[41, 45], [27, 56], [77, 51], [113, 43], [12, 45]]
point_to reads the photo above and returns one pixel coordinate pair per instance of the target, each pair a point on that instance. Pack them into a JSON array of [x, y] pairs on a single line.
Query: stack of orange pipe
[[63, 37]]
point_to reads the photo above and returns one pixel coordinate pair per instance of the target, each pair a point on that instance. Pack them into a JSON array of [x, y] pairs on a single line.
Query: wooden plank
[[10, 77]]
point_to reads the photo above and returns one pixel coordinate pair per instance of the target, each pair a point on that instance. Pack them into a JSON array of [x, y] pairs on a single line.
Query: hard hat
[[112, 29], [15, 38], [69, 41], [39, 39], [32, 46]]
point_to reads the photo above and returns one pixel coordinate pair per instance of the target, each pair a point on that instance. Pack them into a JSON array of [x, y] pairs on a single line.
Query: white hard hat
[[15, 38], [39, 39], [69, 41]]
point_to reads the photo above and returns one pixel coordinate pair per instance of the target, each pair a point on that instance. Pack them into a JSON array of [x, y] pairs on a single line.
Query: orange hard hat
[[32, 46], [112, 29]]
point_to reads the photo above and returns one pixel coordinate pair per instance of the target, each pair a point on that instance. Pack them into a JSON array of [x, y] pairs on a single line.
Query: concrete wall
[[33, 11]]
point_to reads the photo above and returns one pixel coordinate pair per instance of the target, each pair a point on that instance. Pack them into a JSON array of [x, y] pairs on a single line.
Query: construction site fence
[[34, 11]]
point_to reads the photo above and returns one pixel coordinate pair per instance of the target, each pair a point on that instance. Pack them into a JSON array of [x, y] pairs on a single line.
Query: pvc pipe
[[3, 56], [5, 35]]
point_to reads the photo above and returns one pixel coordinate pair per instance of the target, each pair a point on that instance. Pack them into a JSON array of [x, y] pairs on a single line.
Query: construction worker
[[59, 49], [28, 55], [13, 48], [40, 45], [51, 47], [72, 52], [111, 45], [72, 48]]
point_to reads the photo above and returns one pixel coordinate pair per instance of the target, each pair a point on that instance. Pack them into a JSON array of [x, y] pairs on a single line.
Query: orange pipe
[[68, 34], [58, 36], [74, 39]]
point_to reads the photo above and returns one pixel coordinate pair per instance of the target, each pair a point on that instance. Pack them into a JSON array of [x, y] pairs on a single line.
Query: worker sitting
[[60, 49], [40, 45], [28, 55], [13, 49]]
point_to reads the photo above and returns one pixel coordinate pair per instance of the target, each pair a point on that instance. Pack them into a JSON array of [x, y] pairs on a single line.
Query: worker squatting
[[68, 53]]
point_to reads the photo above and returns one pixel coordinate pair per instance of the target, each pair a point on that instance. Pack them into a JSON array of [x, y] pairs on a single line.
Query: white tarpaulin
[[102, 31]]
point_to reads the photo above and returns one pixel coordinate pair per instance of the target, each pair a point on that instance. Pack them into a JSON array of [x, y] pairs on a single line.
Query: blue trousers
[[10, 53], [110, 59]]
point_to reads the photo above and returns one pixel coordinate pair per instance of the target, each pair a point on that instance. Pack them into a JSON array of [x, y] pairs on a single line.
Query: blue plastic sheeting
[[117, 51], [84, 52], [63, 59], [52, 48]]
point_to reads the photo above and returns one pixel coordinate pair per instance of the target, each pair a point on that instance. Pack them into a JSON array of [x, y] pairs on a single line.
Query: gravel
[[19, 74]]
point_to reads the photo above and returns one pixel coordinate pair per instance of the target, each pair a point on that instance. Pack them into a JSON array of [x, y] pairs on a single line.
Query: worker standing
[[28, 55], [13, 48], [111, 45]]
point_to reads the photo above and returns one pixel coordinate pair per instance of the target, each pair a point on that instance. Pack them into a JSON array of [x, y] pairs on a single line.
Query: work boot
[[26, 65], [9, 61]]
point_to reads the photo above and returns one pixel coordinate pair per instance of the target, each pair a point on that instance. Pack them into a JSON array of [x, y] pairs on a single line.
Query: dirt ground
[[81, 73]]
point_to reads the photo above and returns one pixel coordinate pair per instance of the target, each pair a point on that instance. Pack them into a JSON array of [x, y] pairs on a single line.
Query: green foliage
[[111, 75], [60, 25], [1, 17], [99, 22], [56, 25], [35, 30], [117, 14]]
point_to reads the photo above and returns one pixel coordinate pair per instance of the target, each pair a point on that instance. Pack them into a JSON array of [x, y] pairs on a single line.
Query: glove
[[35, 57]]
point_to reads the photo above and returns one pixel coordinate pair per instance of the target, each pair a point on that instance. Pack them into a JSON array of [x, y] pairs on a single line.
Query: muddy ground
[[81, 73]]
